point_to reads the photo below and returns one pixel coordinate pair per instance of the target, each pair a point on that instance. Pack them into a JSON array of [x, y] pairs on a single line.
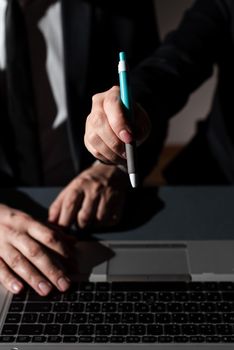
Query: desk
[[167, 213]]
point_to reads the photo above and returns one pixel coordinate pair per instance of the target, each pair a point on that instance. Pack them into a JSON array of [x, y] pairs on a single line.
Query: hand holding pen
[[108, 130]]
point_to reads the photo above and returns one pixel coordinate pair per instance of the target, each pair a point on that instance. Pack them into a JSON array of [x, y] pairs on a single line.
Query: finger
[[70, 205], [21, 266], [95, 145], [116, 118], [110, 209], [8, 279], [98, 122], [51, 239], [43, 261], [55, 208], [89, 207]]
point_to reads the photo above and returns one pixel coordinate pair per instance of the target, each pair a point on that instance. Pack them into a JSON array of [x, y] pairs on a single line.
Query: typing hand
[[107, 130], [94, 197], [31, 252]]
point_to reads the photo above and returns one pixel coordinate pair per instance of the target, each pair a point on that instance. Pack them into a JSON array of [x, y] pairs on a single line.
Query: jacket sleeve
[[163, 82]]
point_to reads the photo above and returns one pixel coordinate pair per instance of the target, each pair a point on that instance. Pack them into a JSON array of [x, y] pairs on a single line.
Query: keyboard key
[[79, 318], [101, 339], [39, 339], [10, 329], [224, 329], [228, 339], [28, 329], [54, 339], [133, 339], [181, 339], [154, 329], [38, 307], [138, 329], [85, 339], [112, 318], [7, 339], [77, 307], [117, 339], [16, 307], [62, 317], [13, 318], [120, 329], [104, 329], [213, 339], [86, 329], [52, 329], [46, 318], [69, 329], [197, 339], [70, 339], [29, 318], [165, 339], [149, 339]]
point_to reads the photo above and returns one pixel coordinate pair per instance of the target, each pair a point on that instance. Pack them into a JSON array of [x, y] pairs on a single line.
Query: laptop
[[131, 294]]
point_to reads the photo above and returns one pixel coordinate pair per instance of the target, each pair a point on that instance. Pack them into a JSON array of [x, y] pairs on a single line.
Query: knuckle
[[96, 154], [98, 120], [23, 216], [95, 98], [35, 251], [16, 260], [2, 264], [116, 145], [54, 272], [17, 234], [50, 238], [69, 204], [115, 89], [97, 189]]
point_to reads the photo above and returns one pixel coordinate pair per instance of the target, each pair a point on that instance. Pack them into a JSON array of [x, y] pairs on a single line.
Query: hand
[[107, 130], [95, 197], [31, 252]]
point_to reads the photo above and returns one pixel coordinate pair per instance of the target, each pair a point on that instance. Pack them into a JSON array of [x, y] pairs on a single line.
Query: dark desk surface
[[167, 213]]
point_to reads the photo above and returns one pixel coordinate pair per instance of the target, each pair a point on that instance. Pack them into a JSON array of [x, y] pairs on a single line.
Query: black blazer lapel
[[76, 20]]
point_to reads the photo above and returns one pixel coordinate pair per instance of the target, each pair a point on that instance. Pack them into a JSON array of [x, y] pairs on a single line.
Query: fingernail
[[44, 287], [16, 287], [125, 136], [64, 283]]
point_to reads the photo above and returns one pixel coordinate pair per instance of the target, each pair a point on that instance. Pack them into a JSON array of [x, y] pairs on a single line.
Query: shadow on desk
[[141, 205]]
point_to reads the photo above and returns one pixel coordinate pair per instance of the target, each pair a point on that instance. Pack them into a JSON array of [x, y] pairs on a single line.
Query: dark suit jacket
[[94, 32], [164, 82]]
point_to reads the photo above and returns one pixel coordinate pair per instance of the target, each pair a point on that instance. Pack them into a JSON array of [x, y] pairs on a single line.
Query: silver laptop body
[[143, 261]]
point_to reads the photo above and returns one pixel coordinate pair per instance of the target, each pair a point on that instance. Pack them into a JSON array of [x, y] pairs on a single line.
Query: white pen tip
[[133, 180]]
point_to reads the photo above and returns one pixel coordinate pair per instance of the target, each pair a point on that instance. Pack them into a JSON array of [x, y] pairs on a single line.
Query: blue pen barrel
[[126, 102]]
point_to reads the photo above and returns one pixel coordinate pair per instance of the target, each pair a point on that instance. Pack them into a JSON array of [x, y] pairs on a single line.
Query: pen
[[130, 148]]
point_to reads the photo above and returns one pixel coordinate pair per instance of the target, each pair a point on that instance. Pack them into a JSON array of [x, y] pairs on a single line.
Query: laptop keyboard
[[131, 312]]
